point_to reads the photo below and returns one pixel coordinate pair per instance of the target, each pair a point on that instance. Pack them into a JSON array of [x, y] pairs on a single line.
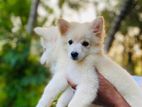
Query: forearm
[[108, 95]]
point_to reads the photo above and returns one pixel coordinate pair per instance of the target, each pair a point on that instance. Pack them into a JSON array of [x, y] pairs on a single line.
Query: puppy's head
[[82, 39], [48, 37]]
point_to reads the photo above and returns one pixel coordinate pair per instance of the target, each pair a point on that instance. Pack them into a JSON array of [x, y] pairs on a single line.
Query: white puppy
[[92, 37], [77, 69], [49, 37], [87, 40]]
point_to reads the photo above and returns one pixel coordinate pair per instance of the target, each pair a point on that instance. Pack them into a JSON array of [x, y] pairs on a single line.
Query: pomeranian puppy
[[49, 42], [79, 51], [87, 39], [48, 37], [75, 67]]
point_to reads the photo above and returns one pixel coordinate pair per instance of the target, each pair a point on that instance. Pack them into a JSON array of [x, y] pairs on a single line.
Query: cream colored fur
[[87, 82], [119, 77], [49, 36]]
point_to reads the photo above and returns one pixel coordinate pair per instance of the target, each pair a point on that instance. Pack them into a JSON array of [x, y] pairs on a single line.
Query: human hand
[[108, 94]]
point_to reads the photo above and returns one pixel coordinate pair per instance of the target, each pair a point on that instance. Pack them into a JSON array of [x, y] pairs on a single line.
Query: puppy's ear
[[40, 31], [98, 26], [63, 26]]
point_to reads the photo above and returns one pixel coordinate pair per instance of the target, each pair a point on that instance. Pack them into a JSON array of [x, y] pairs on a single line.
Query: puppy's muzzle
[[74, 55]]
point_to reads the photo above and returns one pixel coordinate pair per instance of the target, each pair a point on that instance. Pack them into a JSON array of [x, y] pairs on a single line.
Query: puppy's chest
[[74, 74]]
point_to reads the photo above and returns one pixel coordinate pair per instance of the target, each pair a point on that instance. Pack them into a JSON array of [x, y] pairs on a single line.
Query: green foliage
[[21, 75], [129, 57]]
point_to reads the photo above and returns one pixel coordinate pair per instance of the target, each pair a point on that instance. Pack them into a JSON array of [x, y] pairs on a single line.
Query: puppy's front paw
[[41, 105], [76, 105], [71, 105], [60, 106]]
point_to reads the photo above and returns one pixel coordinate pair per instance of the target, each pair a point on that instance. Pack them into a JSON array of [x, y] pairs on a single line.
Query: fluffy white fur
[[49, 36], [87, 83], [120, 78]]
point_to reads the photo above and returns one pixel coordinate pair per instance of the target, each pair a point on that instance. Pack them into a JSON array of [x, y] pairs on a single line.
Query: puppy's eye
[[70, 42], [85, 43]]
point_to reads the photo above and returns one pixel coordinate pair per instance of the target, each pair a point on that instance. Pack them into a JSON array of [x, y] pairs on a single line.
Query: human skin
[[108, 95]]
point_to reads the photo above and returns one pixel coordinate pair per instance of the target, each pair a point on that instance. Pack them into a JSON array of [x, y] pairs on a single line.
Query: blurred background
[[22, 77]]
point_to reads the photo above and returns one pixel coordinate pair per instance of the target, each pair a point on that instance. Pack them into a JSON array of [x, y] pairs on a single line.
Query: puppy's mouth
[[74, 58], [78, 59]]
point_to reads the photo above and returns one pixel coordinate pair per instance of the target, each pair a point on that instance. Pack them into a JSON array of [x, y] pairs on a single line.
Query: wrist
[[121, 103]]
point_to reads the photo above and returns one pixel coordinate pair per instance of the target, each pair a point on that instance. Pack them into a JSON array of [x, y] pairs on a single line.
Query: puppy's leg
[[44, 57], [55, 86], [65, 98], [86, 91]]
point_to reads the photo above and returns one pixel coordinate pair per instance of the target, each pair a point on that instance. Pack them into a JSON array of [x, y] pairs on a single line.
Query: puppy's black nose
[[74, 55]]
